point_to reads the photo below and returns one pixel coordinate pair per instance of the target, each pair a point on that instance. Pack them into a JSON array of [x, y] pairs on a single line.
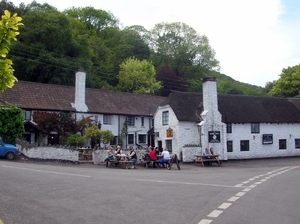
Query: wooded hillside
[[53, 45]]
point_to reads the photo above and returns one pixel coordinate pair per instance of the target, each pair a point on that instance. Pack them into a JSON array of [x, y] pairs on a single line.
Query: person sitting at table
[[153, 157], [118, 150], [149, 149], [165, 158], [132, 156], [206, 153], [111, 155], [157, 152], [207, 156], [211, 150]]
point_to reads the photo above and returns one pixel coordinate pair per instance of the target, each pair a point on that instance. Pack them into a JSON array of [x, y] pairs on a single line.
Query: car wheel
[[10, 156]]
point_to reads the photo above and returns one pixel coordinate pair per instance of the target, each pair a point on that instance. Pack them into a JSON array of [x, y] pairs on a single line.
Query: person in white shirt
[[165, 158]]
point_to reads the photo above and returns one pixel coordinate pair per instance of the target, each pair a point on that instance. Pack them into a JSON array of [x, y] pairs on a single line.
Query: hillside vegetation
[[53, 45]]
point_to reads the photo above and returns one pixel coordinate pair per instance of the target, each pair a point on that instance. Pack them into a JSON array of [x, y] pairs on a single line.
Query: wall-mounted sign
[[267, 139], [214, 137], [169, 133]]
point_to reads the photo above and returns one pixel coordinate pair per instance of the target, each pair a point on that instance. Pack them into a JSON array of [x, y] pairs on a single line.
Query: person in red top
[[152, 155]]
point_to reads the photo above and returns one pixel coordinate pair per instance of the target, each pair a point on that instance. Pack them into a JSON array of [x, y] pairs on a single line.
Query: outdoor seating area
[[207, 160], [124, 163]]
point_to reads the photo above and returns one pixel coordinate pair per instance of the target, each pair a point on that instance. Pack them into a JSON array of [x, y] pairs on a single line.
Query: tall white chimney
[[80, 105], [210, 98], [211, 125]]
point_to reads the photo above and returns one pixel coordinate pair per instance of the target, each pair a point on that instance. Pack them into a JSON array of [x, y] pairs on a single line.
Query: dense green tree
[[47, 51], [7, 5], [269, 86], [288, 85], [182, 49], [137, 77], [11, 123], [95, 20], [98, 136]]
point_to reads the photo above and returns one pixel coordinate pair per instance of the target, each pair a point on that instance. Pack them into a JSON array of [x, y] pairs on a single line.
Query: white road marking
[[240, 194], [233, 198], [247, 189], [45, 171], [203, 221], [225, 205], [215, 213]]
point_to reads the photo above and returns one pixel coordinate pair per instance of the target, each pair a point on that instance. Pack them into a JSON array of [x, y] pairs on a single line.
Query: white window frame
[[165, 117]]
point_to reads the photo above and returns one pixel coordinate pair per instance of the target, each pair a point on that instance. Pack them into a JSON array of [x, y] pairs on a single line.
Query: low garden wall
[[66, 154]]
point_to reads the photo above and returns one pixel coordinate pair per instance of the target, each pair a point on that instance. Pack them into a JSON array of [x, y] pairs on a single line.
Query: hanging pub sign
[[214, 137], [169, 133]]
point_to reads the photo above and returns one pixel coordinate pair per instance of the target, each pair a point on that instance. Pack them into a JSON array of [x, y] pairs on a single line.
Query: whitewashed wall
[[50, 153], [188, 153], [53, 153], [162, 129], [290, 132]]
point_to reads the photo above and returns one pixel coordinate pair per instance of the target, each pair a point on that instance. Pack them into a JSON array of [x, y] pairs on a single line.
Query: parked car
[[9, 151]]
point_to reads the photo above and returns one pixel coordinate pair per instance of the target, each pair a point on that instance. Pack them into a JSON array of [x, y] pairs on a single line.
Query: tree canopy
[[288, 85], [137, 77]]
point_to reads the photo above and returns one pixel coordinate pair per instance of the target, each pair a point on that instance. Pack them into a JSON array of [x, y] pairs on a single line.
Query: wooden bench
[[147, 162], [207, 159], [124, 163]]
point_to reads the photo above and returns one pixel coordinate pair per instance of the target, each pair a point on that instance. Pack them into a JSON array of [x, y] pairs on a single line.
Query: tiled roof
[[237, 108], [39, 96]]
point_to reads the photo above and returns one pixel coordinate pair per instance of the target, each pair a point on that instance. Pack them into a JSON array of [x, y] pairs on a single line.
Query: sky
[[253, 39]]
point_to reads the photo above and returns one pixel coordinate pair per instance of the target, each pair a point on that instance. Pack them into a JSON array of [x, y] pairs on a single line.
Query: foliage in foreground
[[9, 26]]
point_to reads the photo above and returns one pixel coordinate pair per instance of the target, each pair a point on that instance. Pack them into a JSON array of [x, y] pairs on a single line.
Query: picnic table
[[85, 154], [174, 159], [207, 159], [121, 159]]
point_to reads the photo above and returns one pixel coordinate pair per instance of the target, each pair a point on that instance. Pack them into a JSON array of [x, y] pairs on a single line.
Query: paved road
[[250, 191]]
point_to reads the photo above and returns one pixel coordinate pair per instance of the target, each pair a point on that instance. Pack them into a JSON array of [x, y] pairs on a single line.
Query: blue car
[[9, 151]]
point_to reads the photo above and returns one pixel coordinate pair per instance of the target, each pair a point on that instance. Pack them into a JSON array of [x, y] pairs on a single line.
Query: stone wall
[[52, 153], [56, 153]]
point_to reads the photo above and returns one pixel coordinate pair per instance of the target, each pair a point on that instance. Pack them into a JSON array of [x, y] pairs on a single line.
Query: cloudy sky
[[253, 39]]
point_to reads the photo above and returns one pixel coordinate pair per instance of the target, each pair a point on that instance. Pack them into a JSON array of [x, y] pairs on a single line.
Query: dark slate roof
[[237, 108], [39, 96]]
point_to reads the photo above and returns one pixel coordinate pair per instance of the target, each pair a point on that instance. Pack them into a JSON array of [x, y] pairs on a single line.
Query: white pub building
[[236, 126]]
